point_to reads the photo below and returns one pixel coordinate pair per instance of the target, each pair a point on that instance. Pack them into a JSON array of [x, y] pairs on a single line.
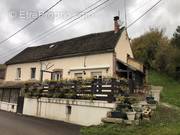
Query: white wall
[[91, 61], [84, 112], [8, 106]]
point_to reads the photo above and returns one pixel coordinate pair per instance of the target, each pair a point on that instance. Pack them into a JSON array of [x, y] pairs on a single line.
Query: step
[[112, 120]]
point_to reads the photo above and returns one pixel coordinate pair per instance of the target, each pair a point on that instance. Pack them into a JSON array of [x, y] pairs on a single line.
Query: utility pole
[[125, 11]]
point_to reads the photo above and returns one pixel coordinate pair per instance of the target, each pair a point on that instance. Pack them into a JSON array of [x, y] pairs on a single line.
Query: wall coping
[[156, 88], [77, 102]]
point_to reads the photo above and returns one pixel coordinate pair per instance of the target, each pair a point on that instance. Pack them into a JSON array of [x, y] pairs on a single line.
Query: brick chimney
[[116, 24]]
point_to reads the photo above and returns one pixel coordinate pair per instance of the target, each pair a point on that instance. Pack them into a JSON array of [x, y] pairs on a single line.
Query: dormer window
[[51, 46]]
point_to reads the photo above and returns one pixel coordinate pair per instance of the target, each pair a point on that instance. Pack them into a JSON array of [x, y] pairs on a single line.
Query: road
[[12, 124]]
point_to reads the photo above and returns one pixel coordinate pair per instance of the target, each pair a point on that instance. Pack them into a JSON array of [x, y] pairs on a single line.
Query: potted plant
[[120, 99], [130, 115], [151, 102], [71, 94]]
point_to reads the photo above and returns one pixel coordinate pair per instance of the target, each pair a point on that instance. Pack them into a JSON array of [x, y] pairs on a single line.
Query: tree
[[146, 46], [156, 51], [176, 38], [165, 60], [2, 66]]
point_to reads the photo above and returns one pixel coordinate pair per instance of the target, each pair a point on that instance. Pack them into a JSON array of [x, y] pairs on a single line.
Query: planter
[[153, 106], [131, 115], [118, 114]]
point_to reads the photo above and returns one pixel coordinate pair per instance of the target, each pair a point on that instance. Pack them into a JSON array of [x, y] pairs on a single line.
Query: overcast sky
[[17, 13]]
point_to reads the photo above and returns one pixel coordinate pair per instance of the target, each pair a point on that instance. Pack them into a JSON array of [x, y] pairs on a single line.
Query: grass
[[165, 121], [171, 91]]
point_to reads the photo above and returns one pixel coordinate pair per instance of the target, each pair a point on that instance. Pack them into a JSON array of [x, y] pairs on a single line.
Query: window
[[78, 76], [96, 75], [18, 73], [6, 95], [14, 96], [33, 73], [56, 76]]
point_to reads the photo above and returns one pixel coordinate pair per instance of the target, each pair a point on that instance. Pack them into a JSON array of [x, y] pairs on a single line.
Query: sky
[[17, 13]]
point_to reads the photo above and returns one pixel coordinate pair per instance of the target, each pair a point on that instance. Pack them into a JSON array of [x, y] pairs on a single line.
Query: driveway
[[12, 124]]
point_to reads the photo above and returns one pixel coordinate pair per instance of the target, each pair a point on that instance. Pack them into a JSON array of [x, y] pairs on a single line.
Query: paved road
[[12, 124]]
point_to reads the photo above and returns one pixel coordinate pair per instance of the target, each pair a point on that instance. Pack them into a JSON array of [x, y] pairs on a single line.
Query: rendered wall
[[83, 112], [10, 107], [90, 61], [123, 48]]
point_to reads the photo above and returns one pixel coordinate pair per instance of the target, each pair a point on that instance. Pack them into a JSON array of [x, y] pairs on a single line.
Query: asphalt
[[12, 124]]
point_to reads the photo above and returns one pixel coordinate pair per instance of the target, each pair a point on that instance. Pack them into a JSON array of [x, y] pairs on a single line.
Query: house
[[2, 72], [99, 55], [106, 54]]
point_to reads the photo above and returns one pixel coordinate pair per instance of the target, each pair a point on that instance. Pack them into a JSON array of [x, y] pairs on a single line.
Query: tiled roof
[[89, 44]]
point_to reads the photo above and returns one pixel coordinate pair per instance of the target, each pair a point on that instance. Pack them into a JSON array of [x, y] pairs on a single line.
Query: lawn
[[165, 121], [171, 91]]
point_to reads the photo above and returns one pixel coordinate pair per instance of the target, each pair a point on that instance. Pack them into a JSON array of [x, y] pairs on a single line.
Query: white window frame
[[78, 75], [57, 75], [96, 75]]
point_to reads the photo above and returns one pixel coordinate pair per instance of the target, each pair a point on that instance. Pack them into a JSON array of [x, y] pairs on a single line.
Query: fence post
[[100, 85], [111, 95], [93, 87], [75, 86], [113, 86]]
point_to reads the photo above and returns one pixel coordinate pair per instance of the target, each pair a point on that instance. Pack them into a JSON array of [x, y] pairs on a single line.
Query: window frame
[[33, 74], [57, 75], [78, 77], [98, 76], [18, 74]]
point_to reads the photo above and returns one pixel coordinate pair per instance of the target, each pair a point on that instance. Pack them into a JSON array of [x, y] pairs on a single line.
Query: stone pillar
[[156, 91]]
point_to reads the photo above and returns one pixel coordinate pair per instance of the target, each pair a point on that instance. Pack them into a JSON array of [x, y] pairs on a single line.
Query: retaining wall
[[10, 107], [82, 112]]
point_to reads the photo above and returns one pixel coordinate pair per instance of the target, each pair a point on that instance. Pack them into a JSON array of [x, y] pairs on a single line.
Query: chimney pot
[[116, 24], [116, 18]]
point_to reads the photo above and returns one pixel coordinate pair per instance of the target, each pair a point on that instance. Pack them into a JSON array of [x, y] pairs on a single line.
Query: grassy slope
[[164, 122], [171, 91]]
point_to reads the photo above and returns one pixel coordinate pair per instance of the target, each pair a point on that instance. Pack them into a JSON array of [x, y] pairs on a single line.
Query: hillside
[[171, 91]]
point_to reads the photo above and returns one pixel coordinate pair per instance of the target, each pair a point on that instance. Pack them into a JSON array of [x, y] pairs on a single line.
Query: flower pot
[[131, 115]]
